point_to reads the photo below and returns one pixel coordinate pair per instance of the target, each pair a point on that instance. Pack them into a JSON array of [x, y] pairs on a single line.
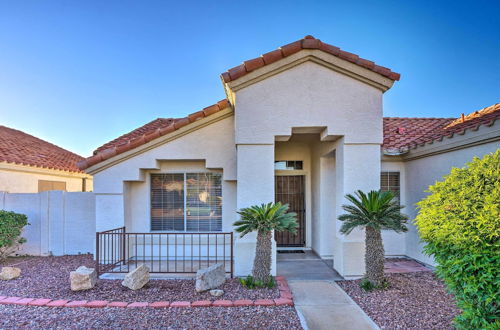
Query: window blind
[[389, 181], [186, 202]]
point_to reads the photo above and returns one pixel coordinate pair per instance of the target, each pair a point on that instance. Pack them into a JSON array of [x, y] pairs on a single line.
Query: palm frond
[[375, 209], [266, 217]]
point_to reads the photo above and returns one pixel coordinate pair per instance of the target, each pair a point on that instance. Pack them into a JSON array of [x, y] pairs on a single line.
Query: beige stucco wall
[[24, 179], [323, 198], [308, 95], [213, 145]]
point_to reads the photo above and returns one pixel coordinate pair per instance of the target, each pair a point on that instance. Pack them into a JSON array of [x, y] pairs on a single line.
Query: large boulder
[[137, 278], [83, 278], [210, 278], [9, 273]]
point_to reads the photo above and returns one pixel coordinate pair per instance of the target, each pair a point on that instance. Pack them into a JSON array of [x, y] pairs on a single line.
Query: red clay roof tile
[[308, 42], [404, 133], [272, 56], [399, 133], [20, 148], [147, 133]]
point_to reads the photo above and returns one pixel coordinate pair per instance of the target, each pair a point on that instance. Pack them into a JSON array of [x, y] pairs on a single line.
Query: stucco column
[[357, 167], [255, 185]]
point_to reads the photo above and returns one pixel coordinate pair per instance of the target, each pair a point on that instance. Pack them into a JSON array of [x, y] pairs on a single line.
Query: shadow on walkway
[[306, 266]]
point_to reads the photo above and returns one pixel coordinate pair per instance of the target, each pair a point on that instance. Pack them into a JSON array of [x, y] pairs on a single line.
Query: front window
[[186, 202], [389, 181]]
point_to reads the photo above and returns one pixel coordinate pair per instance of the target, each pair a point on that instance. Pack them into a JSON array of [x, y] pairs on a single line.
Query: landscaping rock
[[137, 278], [210, 278], [83, 278], [9, 273], [216, 292]]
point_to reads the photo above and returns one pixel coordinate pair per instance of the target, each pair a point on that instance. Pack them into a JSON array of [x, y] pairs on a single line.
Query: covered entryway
[[290, 189]]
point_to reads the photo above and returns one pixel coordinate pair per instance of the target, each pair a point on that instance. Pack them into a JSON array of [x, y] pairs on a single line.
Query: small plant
[[366, 285], [11, 227], [251, 283]]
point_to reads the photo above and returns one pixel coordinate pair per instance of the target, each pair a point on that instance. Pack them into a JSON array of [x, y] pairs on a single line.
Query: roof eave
[[115, 158], [313, 55]]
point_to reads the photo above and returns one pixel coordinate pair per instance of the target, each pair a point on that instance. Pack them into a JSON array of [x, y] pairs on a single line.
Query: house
[[303, 125], [31, 165]]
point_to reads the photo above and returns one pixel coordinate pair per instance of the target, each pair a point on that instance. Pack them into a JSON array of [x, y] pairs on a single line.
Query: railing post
[[97, 252], [123, 245], [232, 257]]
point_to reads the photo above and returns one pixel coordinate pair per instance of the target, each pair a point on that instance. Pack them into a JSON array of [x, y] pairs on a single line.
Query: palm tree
[[373, 211], [264, 219]]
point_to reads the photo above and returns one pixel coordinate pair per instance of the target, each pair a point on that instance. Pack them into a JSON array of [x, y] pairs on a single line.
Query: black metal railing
[[120, 252]]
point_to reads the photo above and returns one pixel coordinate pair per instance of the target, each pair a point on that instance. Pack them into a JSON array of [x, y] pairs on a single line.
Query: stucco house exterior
[[303, 125], [31, 165]]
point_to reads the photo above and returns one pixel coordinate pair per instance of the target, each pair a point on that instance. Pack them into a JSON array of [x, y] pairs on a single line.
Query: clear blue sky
[[80, 73]]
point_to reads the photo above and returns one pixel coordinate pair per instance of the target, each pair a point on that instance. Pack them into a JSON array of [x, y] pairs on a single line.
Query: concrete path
[[324, 305], [319, 301]]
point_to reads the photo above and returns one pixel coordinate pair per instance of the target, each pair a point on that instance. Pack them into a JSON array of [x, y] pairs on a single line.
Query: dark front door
[[289, 189]]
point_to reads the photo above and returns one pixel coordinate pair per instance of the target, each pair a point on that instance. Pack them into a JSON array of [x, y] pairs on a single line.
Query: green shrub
[[251, 283], [367, 285], [460, 224], [11, 227]]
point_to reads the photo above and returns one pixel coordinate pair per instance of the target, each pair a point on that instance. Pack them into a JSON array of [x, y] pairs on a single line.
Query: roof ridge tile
[[308, 42]]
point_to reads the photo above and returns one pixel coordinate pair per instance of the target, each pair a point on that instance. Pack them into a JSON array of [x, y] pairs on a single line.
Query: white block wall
[[60, 222]]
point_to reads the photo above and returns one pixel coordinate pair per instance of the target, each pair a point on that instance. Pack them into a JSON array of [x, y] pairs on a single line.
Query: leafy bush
[[11, 226], [460, 224], [251, 283]]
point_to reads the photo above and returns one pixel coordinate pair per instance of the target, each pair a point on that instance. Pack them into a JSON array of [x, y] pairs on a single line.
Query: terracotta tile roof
[[20, 148], [137, 133], [146, 133], [400, 134], [308, 42], [403, 133]]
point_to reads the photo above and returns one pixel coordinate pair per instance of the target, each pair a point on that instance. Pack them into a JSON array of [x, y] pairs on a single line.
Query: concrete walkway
[[319, 301], [324, 305]]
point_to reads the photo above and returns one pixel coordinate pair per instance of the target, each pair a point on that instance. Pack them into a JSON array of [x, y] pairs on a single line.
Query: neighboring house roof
[[146, 133], [308, 42], [20, 148]]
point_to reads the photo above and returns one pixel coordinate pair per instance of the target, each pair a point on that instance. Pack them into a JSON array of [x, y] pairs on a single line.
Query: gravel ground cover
[[414, 301], [48, 277], [15, 317]]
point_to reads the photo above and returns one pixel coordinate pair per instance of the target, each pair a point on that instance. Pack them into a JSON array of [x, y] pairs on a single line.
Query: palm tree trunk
[[262, 262], [374, 256]]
